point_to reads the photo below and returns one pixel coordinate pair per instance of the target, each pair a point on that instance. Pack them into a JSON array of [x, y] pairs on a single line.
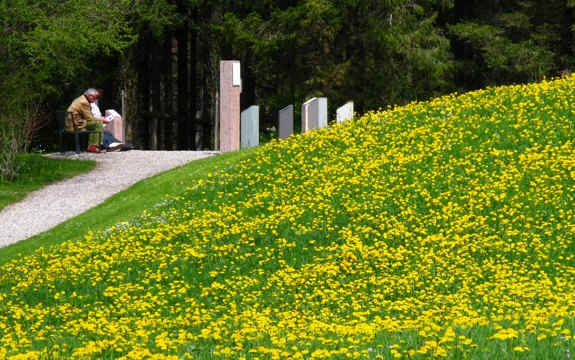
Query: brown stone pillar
[[230, 90]]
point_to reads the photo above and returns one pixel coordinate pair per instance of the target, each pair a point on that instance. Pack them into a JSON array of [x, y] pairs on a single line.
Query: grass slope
[[37, 171], [123, 206], [440, 229]]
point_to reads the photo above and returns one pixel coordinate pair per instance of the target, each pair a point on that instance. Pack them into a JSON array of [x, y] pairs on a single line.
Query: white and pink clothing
[[113, 121]]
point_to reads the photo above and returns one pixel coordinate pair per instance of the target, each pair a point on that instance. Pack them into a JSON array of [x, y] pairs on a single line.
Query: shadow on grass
[[124, 205], [37, 171]]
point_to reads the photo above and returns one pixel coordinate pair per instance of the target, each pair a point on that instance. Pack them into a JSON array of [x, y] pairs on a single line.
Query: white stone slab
[[345, 112], [236, 74], [314, 114]]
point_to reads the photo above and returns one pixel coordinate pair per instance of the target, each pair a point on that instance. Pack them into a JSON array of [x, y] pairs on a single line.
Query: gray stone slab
[[314, 114], [285, 126], [250, 131], [345, 112]]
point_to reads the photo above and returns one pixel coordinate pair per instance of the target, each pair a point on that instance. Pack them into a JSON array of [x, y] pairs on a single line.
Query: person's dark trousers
[[108, 139]]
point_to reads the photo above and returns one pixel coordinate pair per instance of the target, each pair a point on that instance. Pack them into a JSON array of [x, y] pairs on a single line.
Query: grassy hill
[[439, 229]]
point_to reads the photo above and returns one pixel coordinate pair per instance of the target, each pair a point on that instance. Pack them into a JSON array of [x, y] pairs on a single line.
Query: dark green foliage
[[44, 46], [498, 42], [373, 52], [376, 53], [46, 43]]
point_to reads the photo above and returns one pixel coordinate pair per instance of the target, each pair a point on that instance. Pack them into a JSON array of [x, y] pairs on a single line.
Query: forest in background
[[162, 57]]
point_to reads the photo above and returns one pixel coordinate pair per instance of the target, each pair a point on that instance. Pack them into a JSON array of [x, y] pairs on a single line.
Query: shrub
[[16, 130], [9, 143]]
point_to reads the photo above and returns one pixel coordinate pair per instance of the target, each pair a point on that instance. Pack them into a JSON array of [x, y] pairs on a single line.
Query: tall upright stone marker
[[314, 114], [345, 112], [250, 129], [305, 115], [230, 90], [285, 126]]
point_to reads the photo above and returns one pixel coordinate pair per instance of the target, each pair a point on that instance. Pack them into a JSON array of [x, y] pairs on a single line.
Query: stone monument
[[285, 126], [250, 127], [229, 99], [314, 114], [345, 112]]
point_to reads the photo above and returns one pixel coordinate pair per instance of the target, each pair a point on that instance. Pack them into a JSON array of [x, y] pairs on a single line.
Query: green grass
[[123, 206], [441, 229], [37, 171]]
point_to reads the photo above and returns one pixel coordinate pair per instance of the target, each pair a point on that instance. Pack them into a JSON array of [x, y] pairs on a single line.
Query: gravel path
[[47, 207]]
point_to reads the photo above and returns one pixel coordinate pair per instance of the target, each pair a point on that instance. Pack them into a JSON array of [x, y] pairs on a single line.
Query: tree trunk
[[193, 83], [210, 70], [129, 85], [155, 95], [171, 85], [142, 128], [183, 87], [168, 93]]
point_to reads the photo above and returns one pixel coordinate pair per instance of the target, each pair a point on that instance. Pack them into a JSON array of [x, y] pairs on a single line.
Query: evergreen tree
[[510, 41]]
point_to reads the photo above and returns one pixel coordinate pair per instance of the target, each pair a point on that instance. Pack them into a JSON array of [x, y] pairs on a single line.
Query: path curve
[[51, 205]]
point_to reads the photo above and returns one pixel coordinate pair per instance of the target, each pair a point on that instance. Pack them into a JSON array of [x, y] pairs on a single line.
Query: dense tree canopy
[[164, 54], [45, 43]]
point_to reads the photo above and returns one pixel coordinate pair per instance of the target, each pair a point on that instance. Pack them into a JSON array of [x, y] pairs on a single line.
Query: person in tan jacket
[[80, 118]]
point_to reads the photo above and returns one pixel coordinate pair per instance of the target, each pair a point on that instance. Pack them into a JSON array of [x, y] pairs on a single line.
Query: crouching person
[[80, 118]]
